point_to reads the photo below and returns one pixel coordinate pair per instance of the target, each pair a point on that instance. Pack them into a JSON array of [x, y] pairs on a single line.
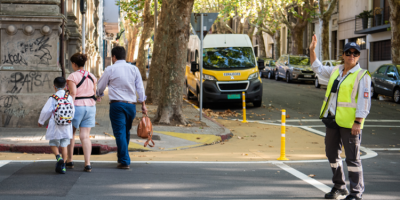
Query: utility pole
[[83, 7]]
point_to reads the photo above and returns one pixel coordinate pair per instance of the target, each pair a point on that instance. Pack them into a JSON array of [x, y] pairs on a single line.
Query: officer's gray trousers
[[334, 140]]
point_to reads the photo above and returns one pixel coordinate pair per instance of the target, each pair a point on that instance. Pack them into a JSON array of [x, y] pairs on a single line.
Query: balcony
[[373, 25]]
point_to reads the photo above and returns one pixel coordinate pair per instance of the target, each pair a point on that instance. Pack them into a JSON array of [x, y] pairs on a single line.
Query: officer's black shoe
[[350, 197], [334, 193]]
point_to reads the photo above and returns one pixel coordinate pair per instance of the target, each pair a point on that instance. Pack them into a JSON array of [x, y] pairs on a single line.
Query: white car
[[321, 80]]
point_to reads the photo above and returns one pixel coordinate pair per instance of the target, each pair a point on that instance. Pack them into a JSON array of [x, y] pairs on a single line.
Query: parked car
[[294, 67], [321, 80], [269, 69], [386, 81]]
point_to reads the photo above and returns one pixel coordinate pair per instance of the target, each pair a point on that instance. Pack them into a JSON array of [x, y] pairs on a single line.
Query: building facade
[[31, 52], [374, 38]]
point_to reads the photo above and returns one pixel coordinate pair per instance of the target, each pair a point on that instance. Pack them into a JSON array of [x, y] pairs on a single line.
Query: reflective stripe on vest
[[346, 99]]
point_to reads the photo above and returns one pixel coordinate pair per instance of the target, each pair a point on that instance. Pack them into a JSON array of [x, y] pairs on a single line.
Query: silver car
[[294, 67]]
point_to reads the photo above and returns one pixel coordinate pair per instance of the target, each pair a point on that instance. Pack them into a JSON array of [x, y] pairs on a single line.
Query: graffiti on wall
[[11, 104], [36, 52]]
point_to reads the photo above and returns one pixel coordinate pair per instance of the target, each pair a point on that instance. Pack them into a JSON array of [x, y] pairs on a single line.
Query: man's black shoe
[[121, 166], [350, 197], [334, 193]]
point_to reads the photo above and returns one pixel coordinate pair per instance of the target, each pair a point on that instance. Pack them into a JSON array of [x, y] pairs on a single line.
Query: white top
[[54, 131], [364, 89], [227, 40], [123, 81]]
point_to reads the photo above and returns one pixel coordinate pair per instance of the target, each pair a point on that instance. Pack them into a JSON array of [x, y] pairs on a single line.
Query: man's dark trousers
[[121, 116]]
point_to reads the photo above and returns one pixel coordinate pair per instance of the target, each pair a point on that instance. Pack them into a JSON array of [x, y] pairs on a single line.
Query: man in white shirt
[[124, 81]]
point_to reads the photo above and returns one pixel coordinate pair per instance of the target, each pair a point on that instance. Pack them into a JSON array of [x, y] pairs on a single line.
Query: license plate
[[307, 76], [232, 74], [233, 96]]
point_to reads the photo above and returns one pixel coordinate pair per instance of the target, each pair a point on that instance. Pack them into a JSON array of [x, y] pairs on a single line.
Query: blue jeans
[[121, 116]]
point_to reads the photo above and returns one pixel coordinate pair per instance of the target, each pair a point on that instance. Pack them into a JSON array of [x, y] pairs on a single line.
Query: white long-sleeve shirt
[[363, 103], [123, 81], [55, 131]]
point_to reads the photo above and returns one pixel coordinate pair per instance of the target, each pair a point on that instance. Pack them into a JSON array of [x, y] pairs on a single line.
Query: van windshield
[[228, 58]]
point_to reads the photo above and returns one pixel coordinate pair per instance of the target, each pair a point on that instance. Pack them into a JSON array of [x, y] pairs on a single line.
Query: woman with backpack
[[82, 87]]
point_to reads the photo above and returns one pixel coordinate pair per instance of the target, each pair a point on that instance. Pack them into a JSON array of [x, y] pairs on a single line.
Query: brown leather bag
[[145, 130]]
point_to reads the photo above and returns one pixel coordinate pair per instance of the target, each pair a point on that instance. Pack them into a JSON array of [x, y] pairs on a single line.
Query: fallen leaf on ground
[[97, 123], [198, 138], [312, 175], [287, 116]]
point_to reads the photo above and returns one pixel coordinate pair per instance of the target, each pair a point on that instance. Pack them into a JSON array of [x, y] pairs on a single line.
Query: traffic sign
[[208, 21]]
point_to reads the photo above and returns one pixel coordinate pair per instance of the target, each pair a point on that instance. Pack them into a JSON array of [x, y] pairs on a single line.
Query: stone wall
[[29, 57]]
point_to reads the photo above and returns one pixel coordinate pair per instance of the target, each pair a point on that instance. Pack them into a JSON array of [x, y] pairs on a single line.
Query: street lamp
[[83, 8]]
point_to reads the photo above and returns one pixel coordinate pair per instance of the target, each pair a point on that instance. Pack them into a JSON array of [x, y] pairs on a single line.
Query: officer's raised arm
[[316, 65]]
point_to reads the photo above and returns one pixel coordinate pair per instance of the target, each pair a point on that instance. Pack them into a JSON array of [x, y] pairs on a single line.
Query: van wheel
[[257, 103], [288, 78], [189, 94], [277, 76], [316, 82], [269, 75], [396, 95], [373, 93]]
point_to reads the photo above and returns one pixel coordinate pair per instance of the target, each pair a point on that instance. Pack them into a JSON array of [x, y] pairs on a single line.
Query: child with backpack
[[60, 109]]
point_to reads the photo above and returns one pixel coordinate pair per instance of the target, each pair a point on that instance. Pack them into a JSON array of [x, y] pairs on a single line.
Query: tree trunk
[[158, 62], [325, 37], [395, 28], [325, 16], [132, 44], [297, 40], [148, 27], [170, 101], [277, 45], [261, 44], [240, 26], [250, 33], [129, 33]]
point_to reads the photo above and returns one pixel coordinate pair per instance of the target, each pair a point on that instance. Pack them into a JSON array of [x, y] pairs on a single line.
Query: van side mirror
[[194, 67], [260, 63]]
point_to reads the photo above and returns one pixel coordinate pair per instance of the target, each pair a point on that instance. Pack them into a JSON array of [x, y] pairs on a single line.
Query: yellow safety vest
[[346, 104]]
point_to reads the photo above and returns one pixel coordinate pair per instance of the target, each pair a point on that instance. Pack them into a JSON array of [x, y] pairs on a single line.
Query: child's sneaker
[[60, 166], [63, 169]]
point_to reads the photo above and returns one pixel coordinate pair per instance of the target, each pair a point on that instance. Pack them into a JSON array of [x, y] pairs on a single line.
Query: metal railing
[[372, 22]]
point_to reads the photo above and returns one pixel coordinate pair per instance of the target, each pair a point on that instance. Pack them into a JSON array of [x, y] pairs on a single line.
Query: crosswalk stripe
[[4, 162]]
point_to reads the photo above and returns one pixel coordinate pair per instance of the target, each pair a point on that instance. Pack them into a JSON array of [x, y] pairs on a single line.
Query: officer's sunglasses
[[349, 53]]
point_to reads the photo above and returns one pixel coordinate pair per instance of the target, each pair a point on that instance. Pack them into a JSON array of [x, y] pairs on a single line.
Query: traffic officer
[[346, 105]]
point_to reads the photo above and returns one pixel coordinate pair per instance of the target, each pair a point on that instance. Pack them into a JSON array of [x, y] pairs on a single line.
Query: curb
[[227, 133], [96, 149]]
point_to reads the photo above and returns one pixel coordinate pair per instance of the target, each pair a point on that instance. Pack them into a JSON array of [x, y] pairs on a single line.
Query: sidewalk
[[208, 140], [250, 142], [32, 140]]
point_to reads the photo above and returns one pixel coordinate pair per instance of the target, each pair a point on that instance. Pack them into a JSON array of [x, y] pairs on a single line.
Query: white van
[[229, 68]]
